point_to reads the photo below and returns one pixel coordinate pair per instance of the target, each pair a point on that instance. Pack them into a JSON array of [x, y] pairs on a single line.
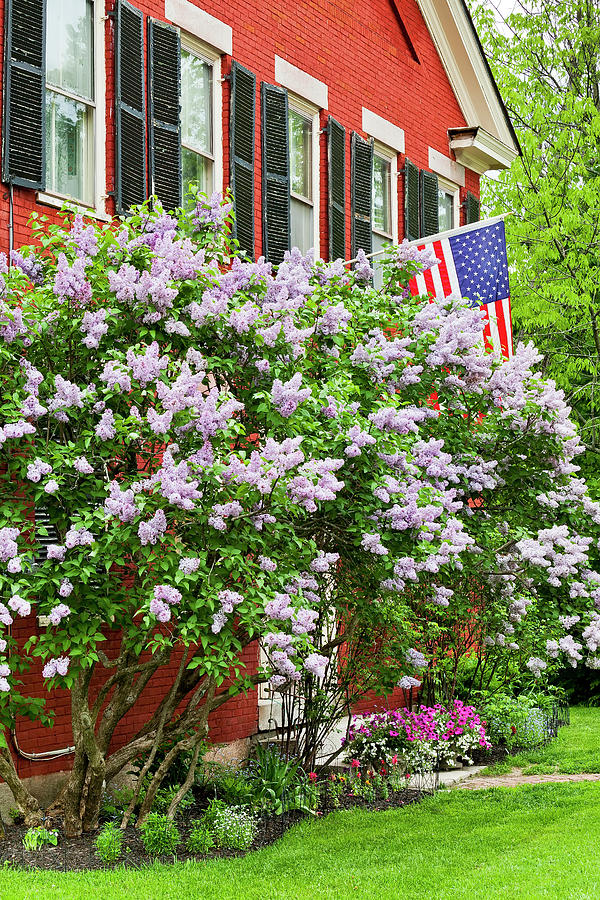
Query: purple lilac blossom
[[66, 588], [57, 666], [8, 545], [58, 613]]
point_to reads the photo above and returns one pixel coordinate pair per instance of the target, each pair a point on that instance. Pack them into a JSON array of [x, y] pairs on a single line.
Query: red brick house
[[338, 125]]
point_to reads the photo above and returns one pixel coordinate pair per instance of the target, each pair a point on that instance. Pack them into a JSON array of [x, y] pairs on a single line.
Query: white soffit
[[201, 24], [301, 83], [446, 167], [458, 47], [383, 131]]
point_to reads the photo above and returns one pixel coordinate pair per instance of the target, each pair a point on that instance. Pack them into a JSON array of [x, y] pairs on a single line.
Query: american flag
[[473, 265]]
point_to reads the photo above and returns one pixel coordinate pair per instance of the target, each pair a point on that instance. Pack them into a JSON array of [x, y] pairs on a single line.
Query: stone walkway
[[516, 778]]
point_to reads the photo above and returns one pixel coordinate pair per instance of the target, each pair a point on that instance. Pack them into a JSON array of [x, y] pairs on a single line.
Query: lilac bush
[[228, 453]]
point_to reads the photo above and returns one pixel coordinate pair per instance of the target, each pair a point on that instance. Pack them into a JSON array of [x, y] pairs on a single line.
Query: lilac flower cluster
[[163, 599], [70, 282], [149, 532], [8, 543], [287, 396], [58, 613], [57, 666], [29, 265], [228, 600]]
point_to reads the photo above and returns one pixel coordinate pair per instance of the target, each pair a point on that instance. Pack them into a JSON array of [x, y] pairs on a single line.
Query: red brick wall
[[355, 46], [358, 49], [237, 718]]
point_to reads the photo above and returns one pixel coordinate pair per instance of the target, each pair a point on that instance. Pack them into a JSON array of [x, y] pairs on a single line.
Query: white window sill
[[60, 202]]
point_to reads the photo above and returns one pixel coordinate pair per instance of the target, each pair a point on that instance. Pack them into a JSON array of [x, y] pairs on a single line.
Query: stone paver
[[516, 778]]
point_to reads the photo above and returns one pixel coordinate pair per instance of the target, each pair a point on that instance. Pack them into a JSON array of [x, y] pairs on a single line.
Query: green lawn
[[576, 749], [524, 843]]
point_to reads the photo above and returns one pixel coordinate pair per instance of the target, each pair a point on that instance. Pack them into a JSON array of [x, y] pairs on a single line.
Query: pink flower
[[355, 763], [312, 776]]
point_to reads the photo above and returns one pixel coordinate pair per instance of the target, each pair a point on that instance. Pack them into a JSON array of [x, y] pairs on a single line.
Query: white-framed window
[[384, 214], [448, 204], [304, 174], [75, 85], [201, 117]]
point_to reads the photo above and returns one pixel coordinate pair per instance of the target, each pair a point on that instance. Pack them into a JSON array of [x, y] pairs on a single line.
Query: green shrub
[[200, 840], [277, 782], [109, 843], [38, 838], [115, 802], [514, 721], [159, 835], [163, 798], [16, 816], [226, 783]]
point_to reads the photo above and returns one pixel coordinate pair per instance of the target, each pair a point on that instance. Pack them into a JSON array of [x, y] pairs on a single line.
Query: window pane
[[302, 233], [300, 154], [69, 46], [68, 138], [196, 103], [382, 212], [378, 244], [195, 169], [446, 210]]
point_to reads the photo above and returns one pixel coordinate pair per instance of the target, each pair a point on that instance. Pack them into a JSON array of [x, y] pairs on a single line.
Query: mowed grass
[[576, 749], [526, 843], [523, 843]]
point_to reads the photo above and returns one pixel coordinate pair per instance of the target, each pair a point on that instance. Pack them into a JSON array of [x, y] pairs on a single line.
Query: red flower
[[513, 729], [312, 776], [355, 763]]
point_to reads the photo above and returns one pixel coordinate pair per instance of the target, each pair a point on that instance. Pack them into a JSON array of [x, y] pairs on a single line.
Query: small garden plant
[[160, 835], [233, 827], [109, 843], [200, 840], [40, 837]]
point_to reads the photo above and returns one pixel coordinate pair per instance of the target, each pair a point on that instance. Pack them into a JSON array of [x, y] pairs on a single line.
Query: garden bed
[[73, 854]]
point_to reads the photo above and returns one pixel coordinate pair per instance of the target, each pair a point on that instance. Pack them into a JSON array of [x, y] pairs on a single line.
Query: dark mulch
[[79, 853]]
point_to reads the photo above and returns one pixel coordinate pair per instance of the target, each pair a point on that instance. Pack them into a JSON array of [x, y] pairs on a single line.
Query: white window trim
[[391, 155], [388, 134], [212, 56], [308, 109], [98, 210], [446, 167], [301, 83], [200, 24], [444, 184]]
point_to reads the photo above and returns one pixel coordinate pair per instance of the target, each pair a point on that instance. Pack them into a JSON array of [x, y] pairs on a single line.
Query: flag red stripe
[[429, 282], [487, 334], [501, 327], [442, 268]]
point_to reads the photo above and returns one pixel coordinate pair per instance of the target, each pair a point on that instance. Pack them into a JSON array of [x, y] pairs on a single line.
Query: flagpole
[[436, 237]]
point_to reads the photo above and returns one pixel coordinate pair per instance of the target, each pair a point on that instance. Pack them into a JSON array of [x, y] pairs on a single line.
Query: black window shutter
[[412, 218], [361, 171], [430, 210], [164, 121], [472, 208], [241, 137], [130, 107], [337, 189], [275, 172], [24, 126]]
